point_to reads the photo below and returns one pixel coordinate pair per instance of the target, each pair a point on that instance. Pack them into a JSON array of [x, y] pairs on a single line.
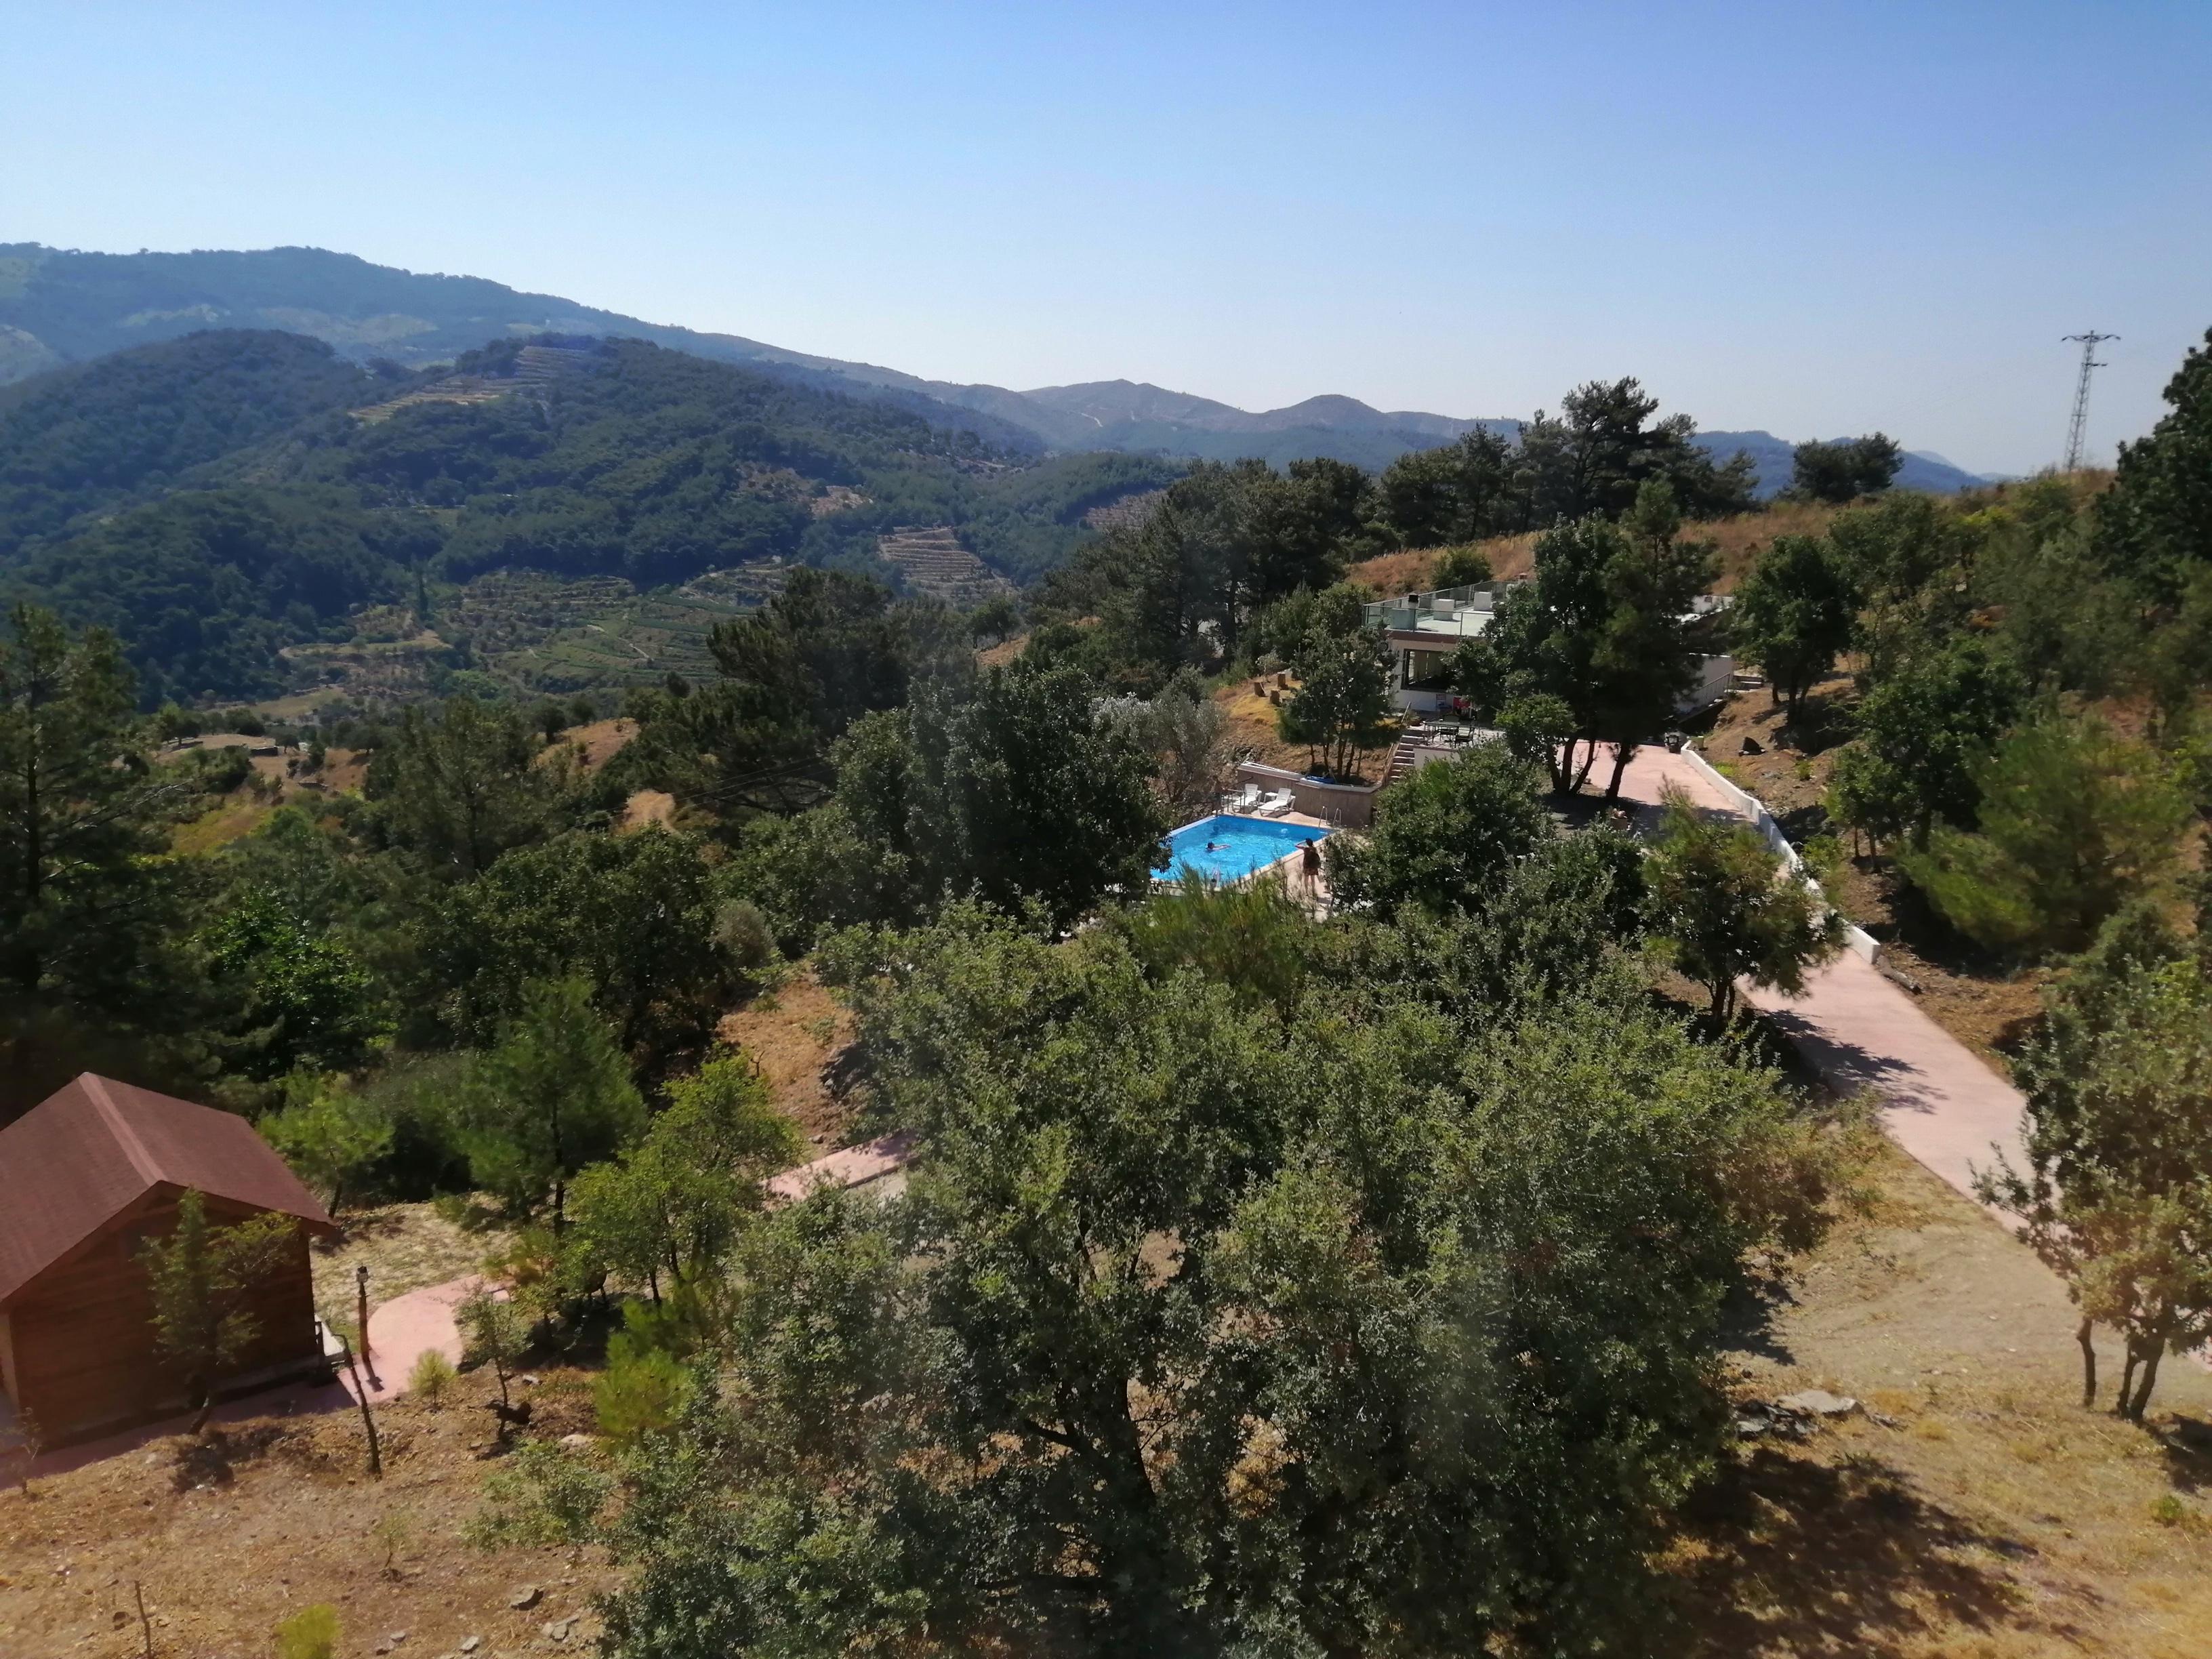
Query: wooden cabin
[[86, 1176]]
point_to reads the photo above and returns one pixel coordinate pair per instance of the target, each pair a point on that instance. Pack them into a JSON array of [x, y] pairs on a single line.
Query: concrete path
[[880, 1159], [401, 1331], [1940, 1101]]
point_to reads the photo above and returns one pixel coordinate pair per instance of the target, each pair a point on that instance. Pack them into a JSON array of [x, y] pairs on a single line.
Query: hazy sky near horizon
[[1817, 219]]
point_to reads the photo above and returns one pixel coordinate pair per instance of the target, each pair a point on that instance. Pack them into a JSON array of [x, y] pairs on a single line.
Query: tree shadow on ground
[[1821, 721], [1748, 1315], [1793, 1555], [2186, 1445]]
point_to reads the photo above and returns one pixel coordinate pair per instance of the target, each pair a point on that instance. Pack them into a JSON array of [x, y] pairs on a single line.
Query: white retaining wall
[[1861, 943]]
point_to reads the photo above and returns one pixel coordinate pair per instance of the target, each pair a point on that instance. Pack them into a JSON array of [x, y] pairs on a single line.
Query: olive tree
[[1732, 908]]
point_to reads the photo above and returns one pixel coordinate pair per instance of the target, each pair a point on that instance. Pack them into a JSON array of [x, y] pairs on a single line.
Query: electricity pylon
[[2090, 342]]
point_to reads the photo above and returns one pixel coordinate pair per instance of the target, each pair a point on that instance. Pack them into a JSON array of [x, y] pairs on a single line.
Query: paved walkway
[[1940, 1101], [401, 1331]]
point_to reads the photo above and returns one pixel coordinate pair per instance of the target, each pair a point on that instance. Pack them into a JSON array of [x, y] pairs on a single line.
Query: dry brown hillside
[[1739, 540]]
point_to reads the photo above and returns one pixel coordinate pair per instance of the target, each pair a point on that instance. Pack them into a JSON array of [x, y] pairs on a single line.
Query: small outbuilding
[[86, 1176]]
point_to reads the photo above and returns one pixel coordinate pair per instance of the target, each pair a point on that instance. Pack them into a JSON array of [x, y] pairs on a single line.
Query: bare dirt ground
[[225, 1544], [600, 742], [649, 806], [1992, 1515], [796, 1035]]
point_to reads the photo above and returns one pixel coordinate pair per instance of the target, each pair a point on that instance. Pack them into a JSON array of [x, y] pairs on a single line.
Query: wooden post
[[361, 1321]]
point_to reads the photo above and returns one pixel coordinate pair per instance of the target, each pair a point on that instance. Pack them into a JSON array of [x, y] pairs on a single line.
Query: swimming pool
[[1241, 845]]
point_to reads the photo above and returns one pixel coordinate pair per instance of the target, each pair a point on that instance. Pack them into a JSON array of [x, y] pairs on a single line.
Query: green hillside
[[277, 511], [84, 437]]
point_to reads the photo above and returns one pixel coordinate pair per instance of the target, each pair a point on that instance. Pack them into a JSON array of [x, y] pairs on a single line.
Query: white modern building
[[1425, 629]]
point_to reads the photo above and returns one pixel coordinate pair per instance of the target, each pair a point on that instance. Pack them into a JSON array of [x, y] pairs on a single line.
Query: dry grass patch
[[797, 1035], [600, 742], [405, 1247], [1992, 1515]]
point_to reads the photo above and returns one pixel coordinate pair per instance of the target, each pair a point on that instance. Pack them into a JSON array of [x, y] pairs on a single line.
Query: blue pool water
[[1241, 845]]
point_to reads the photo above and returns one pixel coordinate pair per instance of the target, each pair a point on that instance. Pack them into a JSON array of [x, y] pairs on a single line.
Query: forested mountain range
[[58, 307], [221, 498]]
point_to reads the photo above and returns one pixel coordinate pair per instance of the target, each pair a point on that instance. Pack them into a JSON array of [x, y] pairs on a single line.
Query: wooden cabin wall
[[84, 1331]]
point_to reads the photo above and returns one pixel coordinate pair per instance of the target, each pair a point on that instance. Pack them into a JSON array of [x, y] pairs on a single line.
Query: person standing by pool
[[1310, 865]]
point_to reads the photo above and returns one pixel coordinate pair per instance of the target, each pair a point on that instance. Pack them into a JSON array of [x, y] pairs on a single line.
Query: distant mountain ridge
[[59, 307]]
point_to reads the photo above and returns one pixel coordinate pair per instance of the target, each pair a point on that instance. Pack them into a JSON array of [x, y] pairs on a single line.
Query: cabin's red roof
[[94, 1147]]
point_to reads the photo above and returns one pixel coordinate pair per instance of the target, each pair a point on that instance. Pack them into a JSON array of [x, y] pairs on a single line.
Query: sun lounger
[[1274, 805], [1244, 800]]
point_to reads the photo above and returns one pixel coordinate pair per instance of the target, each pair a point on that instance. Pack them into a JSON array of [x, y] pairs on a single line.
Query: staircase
[[1401, 763]]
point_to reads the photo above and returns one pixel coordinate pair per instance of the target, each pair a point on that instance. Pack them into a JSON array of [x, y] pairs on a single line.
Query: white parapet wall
[[1861, 943]]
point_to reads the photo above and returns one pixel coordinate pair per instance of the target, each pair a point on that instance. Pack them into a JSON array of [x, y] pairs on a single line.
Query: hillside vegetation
[[84, 438], [619, 460]]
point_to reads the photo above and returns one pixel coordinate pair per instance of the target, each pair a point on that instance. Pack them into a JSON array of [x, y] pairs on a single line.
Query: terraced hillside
[[542, 633], [532, 369], [931, 561]]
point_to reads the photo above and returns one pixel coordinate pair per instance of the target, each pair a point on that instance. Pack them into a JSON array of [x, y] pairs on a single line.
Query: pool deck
[[1314, 897]]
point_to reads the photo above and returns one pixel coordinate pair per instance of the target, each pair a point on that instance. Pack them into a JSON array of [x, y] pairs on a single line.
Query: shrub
[[432, 1378], [310, 1633], [2076, 821]]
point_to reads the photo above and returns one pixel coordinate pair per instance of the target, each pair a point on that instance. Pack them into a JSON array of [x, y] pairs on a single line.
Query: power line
[[2074, 428]]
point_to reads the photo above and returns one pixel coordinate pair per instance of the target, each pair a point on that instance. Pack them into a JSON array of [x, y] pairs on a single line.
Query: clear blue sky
[[1817, 219]]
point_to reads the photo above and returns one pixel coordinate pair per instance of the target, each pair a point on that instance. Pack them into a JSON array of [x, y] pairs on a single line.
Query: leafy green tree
[[1603, 447], [1910, 557], [1922, 732], [1304, 620], [1022, 792], [633, 915], [2154, 525], [1793, 615], [1605, 628], [1218, 1333], [1536, 728], [1342, 707], [2075, 822], [301, 996], [1225, 543], [553, 1096], [80, 893], [203, 1278], [1844, 469], [330, 1136], [2119, 1131], [1461, 566], [829, 648], [493, 1332], [460, 788], [995, 619], [1445, 837], [1646, 653], [1253, 937], [1458, 493], [674, 1202], [1186, 733], [1732, 908], [641, 1390]]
